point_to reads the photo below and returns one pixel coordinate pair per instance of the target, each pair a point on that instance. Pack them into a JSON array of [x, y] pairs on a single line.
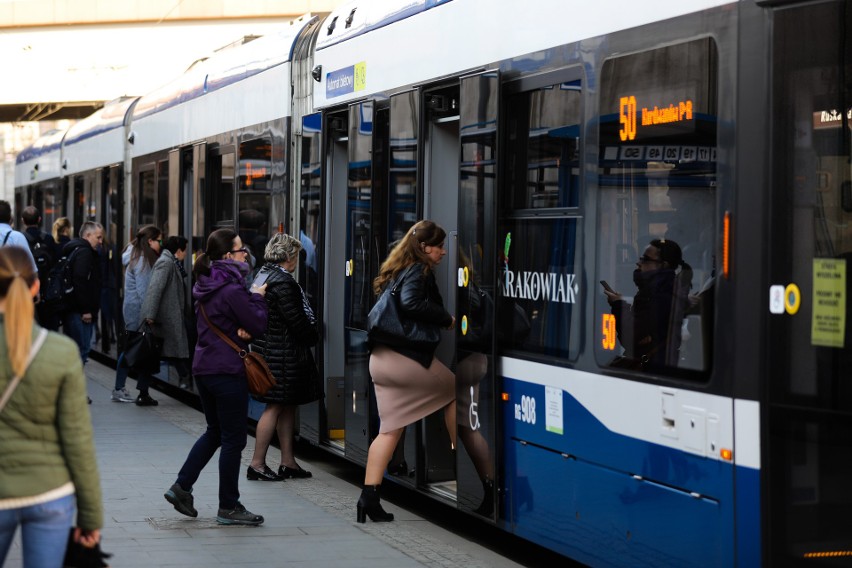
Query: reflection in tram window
[[545, 127], [657, 183]]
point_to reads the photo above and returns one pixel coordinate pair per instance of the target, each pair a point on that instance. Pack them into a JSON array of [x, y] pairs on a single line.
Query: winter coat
[[229, 306], [166, 303], [420, 300], [287, 343], [137, 277], [46, 435], [86, 276]]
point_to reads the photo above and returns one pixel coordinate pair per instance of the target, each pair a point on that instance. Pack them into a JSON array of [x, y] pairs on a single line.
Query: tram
[[563, 149]]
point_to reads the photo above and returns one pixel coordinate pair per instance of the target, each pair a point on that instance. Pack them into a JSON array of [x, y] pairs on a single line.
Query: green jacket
[[46, 430]]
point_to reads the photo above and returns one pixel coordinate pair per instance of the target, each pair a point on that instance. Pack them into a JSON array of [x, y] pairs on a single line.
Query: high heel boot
[[369, 505], [486, 508]]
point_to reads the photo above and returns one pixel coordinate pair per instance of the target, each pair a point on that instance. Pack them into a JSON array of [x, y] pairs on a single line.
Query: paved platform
[[309, 522]]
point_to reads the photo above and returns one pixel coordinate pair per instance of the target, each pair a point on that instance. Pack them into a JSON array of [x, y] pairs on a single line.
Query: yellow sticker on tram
[[828, 323], [792, 298]]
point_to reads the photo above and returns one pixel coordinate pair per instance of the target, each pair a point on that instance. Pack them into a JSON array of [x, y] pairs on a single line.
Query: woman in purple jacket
[[219, 373]]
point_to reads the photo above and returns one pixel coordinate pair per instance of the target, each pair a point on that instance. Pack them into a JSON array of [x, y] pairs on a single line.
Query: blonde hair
[[409, 250], [16, 279], [282, 248], [60, 226]]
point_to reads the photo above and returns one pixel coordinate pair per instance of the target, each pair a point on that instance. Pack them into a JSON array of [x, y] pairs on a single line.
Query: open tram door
[[351, 204], [459, 140]]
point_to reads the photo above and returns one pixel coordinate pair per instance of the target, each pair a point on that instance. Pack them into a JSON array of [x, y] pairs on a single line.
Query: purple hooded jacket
[[229, 306]]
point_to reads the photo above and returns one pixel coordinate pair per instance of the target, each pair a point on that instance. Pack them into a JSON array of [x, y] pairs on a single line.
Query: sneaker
[[182, 500], [238, 516], [121, 395], [144, 399]]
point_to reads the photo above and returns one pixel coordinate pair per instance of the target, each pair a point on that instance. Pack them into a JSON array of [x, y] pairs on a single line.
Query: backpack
[[41, 254], [60, 284]]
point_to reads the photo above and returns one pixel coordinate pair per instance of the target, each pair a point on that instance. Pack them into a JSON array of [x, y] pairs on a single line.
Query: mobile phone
[[260, 279], [607, 287]]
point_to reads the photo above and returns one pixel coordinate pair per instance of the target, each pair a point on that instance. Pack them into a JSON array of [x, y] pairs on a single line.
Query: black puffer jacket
[[287, 342]]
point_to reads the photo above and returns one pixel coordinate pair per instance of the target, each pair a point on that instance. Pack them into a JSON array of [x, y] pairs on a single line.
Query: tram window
[[657, 210], [220, 196], [537, 310], [311, 210], [255, 165], [544, 144], [163, 197], [147, 198], [255, 182]]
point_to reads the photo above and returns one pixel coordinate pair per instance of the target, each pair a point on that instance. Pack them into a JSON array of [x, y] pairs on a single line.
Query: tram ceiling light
[[316, 73]]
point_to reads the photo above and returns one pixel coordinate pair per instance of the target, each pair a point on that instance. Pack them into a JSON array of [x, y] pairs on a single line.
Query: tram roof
[[46, 143], [111, 116], [361, 16], [225, 68]]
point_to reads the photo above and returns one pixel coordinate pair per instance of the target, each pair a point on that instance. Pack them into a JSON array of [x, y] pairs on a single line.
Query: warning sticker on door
[[829, 320]]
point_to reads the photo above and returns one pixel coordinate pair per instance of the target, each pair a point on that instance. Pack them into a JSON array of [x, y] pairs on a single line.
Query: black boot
[[486, 508], [369, 506]]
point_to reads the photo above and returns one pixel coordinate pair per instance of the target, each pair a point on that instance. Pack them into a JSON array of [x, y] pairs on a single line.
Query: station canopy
[[68, 72]]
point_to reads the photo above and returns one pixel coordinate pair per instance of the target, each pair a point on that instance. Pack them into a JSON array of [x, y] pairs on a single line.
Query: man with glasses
[[649, 329]]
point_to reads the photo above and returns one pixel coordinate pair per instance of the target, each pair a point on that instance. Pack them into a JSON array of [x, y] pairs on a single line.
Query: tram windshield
[[657, 219]]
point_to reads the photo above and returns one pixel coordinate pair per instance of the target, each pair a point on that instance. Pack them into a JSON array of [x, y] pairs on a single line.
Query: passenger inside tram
[[650, 328]]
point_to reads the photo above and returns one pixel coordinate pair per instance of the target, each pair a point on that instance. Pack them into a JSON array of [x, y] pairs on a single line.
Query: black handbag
[[384, 324], [142, 350]]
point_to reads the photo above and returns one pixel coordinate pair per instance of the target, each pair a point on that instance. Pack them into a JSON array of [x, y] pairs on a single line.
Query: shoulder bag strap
[[7, 394], [220, 333], [6, 238], [402, 278]]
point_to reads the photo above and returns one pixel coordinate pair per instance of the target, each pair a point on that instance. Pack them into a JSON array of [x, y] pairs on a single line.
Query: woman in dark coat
[[286, 346]]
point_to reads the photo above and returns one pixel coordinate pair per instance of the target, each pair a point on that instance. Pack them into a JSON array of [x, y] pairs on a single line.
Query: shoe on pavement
[[182, 500], [121, 395], [146, 400], [238, 516]]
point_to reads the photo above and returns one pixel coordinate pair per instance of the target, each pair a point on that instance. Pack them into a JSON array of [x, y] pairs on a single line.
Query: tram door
[[332, 284], [474, 292], [440, 204]]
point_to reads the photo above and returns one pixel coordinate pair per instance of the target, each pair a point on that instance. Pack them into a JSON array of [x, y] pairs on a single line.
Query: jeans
[[121, 373], [80, 332], [225, 402], [44, 531]]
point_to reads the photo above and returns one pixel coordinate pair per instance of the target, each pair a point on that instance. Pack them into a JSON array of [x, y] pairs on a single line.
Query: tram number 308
[[525, 411]]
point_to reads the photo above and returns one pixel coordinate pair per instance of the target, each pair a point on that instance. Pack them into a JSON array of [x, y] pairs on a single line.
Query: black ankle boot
[[486, 508], [369, 505]]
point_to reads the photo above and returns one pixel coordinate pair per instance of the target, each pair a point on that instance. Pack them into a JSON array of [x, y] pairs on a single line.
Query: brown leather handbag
[[258, 374]]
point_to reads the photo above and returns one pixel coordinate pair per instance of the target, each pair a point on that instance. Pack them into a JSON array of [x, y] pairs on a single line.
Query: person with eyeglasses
[[138, 258], [649, 329], [222, 305]]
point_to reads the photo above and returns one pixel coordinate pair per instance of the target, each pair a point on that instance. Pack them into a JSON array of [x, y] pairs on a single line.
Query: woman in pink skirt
[[410, 382]]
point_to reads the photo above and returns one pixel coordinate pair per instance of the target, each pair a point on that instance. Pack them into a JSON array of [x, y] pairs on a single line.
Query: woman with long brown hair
[[410, 382], [45, 429], [139, 258]]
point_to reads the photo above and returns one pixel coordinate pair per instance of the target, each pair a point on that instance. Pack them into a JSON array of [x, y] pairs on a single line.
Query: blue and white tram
[[555, 144], [38, 177]]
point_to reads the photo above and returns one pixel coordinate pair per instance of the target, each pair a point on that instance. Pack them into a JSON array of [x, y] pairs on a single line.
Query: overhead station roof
[[56, 73]]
